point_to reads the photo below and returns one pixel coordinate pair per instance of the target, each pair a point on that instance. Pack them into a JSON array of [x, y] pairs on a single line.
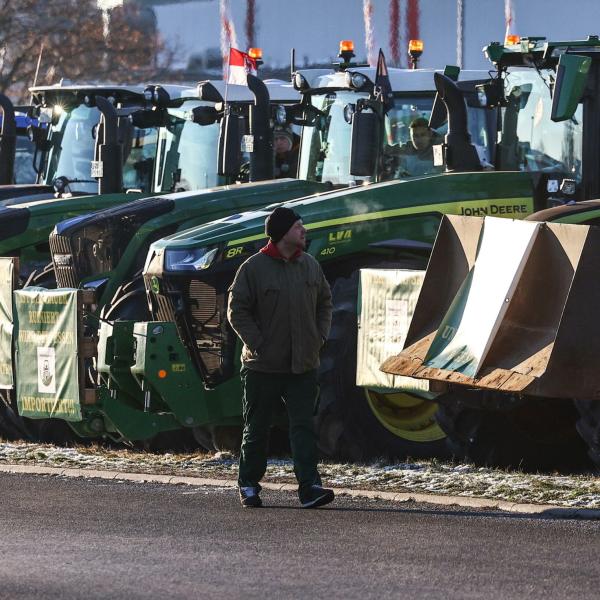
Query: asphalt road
[[75, 538]]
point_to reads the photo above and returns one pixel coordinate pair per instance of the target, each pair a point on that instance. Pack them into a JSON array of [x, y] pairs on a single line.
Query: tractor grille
[[206, 323], [64, 261], [199, 310]]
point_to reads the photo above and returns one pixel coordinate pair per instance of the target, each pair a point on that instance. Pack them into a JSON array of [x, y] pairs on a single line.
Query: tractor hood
[[36, 219], [205, 201], [15, 194], [370, 203], [96, 244]]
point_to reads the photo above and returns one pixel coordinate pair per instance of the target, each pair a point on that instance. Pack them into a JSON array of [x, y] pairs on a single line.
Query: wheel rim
[[405, 415]]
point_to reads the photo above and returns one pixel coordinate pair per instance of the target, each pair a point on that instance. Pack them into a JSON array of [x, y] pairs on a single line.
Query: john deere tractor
[[353, 137], [505, 326], [184, 144], [376, 223]]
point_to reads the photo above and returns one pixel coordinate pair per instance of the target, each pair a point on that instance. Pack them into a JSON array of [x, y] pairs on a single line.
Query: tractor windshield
[[72, 148], [408, 143], [187, 153], [529, 140]]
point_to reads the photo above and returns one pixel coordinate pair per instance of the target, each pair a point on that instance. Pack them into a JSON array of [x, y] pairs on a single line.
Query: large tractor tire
[[42, 278], [12, 426], [498, 430], [588, 426], [357, 424]]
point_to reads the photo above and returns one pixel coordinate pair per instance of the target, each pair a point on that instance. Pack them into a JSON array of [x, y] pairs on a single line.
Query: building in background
[[454, 31]]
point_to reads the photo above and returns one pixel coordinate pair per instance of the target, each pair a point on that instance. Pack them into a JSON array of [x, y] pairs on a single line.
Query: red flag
[[240, 64]]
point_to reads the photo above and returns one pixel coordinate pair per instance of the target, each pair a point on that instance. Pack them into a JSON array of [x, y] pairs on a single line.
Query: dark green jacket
[[281, 310]]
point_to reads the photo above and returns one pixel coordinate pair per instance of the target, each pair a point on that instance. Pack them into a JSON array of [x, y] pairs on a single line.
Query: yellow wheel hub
[[406, 415]]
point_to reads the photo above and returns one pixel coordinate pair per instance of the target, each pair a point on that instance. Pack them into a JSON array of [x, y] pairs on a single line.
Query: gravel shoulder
[[427, 481]]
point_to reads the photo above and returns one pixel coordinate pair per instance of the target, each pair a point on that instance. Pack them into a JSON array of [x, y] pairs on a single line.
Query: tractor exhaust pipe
[[461, 155], [261, 159], [8, 141], [110, 153]]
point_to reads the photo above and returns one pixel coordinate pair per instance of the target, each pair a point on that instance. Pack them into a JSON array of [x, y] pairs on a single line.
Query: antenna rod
[[292, 62], [37, 68]]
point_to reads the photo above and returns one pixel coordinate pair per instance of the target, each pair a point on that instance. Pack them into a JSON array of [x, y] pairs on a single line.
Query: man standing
[[280, 307]]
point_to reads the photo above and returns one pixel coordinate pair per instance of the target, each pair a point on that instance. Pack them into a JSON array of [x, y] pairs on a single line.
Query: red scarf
[[271, 250]]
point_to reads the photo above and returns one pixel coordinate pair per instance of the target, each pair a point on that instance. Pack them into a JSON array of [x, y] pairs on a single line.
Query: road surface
[[82, 538]]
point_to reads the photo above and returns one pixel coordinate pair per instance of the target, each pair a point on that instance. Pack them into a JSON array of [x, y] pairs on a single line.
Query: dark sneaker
[[249, 497], [316, 496]]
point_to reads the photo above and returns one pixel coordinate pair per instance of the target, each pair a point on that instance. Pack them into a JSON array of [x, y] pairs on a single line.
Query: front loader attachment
[[509, 306]]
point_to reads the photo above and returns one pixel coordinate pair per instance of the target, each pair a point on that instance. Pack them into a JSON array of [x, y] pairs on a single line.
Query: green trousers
[[262, 394]]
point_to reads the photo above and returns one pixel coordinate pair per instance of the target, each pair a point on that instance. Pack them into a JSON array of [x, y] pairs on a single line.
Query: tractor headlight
[[194, 259], [482, 97], [349, 111], [280, 115], [300, 82], [355, 80]]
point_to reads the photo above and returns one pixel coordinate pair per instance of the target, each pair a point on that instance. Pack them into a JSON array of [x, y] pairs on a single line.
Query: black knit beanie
[[278, 223]]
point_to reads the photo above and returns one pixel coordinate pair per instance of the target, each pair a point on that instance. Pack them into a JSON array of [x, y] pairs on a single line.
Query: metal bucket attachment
[[524, 318], [452, 258]]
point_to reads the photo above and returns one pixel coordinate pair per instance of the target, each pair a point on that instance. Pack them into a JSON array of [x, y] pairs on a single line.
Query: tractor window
[[187, 153], [325, 148], [24, 171], [139, 150], [529, 140], [72, 148]]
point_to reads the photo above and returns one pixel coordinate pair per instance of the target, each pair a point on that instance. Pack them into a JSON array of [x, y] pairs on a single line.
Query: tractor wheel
[[588, 426], [12, 426], [129, 303], [354, 423], [534, 434], [42, 278]]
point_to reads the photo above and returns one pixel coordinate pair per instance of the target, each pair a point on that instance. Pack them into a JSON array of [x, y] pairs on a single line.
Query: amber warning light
[[415, 46], [162, 374], [511, 40], [255, 53], [346, 46], [415, 49]]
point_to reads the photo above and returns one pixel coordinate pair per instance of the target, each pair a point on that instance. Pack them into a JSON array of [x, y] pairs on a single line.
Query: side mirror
[[303, 114], [571, 78], [145, 119], [364, 144], [205, 115], [229, 146]]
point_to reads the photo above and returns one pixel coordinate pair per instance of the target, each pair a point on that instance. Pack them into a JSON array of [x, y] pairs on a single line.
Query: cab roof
[[279, 91], [401, 80]]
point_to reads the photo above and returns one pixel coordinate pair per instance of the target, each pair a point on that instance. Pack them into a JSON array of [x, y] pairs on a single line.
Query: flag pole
[[227, 78]]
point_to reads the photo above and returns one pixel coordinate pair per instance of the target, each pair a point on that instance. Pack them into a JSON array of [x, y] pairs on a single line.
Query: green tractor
[[156, 368], [152, 373], [507, 332], [172, 144]]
